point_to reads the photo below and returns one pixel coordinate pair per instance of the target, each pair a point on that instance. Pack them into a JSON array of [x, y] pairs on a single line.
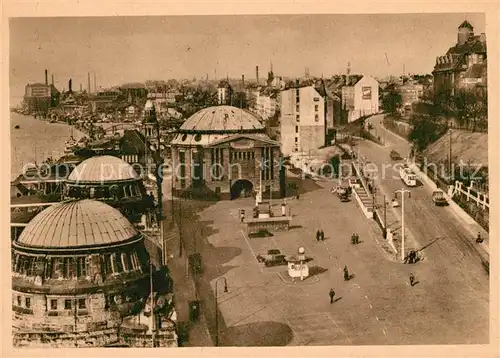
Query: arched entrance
[[241, 188]]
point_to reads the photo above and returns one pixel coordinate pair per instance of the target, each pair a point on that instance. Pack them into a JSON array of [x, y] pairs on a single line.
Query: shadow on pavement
[[259, 334], [337, 299], [316, 270]]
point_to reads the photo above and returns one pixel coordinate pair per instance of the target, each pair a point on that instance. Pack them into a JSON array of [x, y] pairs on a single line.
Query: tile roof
[[84, 223]]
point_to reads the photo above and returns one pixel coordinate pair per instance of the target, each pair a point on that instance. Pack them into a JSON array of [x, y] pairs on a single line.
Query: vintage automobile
[[395, 155], [274, 257], [438, 198]]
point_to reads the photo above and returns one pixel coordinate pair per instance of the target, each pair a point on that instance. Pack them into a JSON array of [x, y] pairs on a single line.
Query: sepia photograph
[[263, 180]]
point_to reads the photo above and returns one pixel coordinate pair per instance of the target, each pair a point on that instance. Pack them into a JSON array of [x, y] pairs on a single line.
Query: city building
[[411, 93], [266, 103], [302, 122], [224, 93], [360, 97], [39, 97], [224, 151], [464, 66], [81, 277]]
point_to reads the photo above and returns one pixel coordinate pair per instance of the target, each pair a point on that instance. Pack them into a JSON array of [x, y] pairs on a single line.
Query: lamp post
[[217, 309], [385, 218], [402, 192], [153, 328]]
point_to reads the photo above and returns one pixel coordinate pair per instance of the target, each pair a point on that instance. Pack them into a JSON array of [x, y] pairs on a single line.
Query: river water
[[36, 140]]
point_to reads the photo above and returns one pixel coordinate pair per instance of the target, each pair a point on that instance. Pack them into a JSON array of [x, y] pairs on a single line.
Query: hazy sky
[[129, 49]]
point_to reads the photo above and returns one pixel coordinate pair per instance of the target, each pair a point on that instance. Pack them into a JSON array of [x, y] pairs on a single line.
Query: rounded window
[[197, 137], [184, 137]]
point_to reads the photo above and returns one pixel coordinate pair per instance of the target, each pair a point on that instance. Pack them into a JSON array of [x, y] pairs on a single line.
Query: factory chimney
[[46, 78], [257, 73], [81, 89], [70, 86], [95, 84], [52, 80], [243, 81], [89, 82]]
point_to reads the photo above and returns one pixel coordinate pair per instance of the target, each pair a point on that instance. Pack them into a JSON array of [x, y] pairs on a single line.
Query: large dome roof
[[101, 169], [69, 225], [222, 119]]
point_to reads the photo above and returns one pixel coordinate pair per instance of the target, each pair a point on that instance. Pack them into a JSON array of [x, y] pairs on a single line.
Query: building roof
[[77, 224], [103, 169], [221, 119], [466, 24]]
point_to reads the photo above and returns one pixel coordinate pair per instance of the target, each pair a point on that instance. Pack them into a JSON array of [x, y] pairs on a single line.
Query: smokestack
[[46, 77], [89, 82], [70, 86], [52, 80], [243, 81], [95, 84], [257, 73], [81, 90]]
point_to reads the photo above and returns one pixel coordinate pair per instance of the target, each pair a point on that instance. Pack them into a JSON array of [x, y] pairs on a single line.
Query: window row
[[242, 155], [55, 304], [76, 267], [112, 192]]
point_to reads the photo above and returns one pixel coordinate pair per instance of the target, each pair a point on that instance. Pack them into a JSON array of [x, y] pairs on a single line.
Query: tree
[[425, 129], [392, 102], [470, 107]]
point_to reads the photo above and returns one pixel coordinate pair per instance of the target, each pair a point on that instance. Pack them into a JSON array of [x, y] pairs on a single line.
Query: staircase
[[365, 201]]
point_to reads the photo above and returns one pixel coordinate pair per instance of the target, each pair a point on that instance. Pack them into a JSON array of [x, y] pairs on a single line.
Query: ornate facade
[[79, 270], [224, 151]]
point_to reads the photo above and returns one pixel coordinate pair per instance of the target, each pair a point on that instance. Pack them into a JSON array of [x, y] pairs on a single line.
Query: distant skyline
[[136, 49]]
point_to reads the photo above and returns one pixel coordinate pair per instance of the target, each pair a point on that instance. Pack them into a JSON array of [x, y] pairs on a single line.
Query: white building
[[361, 98], [302, 124], [266, 104], [224, 93]]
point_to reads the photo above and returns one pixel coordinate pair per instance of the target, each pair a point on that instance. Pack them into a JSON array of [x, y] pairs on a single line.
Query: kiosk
[[297, 267]]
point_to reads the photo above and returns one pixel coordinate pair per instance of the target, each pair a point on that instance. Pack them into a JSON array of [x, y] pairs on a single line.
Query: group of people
[[320, 236], [412, 257], [355, 239]]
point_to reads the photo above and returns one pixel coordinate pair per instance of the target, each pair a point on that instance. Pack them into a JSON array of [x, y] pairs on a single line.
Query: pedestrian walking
[[332, 295], [322, 235], [318, 235], [356, 237], [353, 239], [412, 279], [346, 273]]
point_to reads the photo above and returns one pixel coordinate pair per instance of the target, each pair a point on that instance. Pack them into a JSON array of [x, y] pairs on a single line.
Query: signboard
[[366, 92], [242, 144]]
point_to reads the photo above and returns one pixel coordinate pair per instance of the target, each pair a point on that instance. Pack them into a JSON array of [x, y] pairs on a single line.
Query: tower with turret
[[465, 32]]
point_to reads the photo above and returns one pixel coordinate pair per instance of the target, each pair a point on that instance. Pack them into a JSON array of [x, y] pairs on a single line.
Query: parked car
[[395, 155], [438, 198], [274, 257]]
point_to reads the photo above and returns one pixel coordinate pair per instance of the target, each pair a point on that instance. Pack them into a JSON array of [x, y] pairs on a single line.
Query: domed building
[[112, 180], [225, 149], [79, 269]]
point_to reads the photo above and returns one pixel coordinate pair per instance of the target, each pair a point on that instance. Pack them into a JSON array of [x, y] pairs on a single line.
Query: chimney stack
[[243, 81], [257, 73], [46, 77], [81, 90], [52, 80], [89, 82]]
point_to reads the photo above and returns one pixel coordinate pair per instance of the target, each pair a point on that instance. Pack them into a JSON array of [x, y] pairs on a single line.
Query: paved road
[[449, 305]]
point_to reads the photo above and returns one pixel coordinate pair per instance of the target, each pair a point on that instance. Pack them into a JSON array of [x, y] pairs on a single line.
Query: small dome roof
[[222, 119], [83, 223], [102, 169]]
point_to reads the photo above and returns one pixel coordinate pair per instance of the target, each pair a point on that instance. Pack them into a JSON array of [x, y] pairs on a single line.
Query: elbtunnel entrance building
[[223, 151]]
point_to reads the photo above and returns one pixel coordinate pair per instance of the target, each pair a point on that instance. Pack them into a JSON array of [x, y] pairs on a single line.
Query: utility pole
[[403, 192], [385, 218]]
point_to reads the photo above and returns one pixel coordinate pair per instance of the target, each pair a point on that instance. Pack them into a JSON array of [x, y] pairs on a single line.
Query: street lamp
[[402, 192], [217, 309]]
